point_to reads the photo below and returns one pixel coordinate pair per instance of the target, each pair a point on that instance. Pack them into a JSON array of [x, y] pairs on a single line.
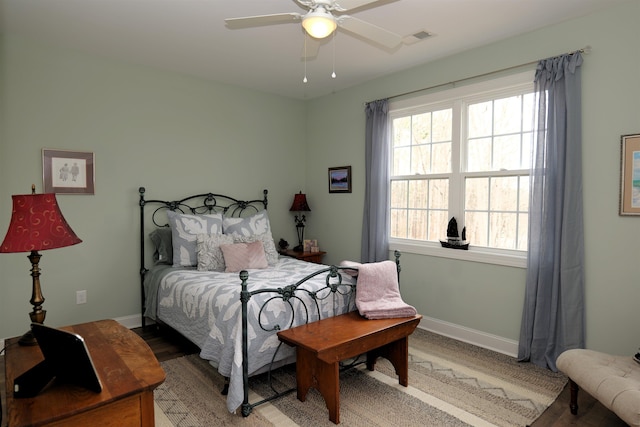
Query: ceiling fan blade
[[369, 31], [311, 47], [344, 5], [255, 21]]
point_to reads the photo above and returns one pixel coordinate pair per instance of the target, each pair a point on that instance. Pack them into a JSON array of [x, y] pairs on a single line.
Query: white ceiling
[[190, 36]]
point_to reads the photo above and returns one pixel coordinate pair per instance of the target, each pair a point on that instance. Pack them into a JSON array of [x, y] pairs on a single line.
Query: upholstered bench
[[612, 380]]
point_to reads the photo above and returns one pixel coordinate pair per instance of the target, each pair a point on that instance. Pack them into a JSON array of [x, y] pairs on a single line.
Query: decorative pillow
[[210, 256], [184, 229], [163, 251], [270, 251], [243, 256], [255, 225]]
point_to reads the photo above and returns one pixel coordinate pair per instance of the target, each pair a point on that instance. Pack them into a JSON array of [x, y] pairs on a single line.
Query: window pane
[[477, 226], [438, 221], [419, 190], [417, 224], [479, 155], [401, 161], [398, 223], [399, 193], [502, 230], [421, 128], [506, 152], [421, 159], [504, 194], [439, 194], [523, 232], [507, 115], [523, 203], [442, 125], [480, 119], [402, 131], [476, 194], [527, 143], [528, 112], [441, 158]]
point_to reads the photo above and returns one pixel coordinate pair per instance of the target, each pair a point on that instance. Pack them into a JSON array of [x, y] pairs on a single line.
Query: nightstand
[[304, 256], [127, 368]]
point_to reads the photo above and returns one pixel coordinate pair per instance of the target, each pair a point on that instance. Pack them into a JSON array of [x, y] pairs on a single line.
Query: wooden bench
[[321, 345]]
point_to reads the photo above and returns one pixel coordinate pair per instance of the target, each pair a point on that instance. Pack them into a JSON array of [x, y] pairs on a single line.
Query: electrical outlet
[[81, 297]]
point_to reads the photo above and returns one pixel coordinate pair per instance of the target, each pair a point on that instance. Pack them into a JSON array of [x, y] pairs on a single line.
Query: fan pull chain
[[304, 80], [333, 74]]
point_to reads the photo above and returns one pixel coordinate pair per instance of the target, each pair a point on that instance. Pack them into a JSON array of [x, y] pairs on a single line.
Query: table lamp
[[300, 205], [36, 225]]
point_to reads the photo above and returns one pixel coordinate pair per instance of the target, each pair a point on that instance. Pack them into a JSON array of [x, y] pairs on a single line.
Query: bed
[[209, 270]]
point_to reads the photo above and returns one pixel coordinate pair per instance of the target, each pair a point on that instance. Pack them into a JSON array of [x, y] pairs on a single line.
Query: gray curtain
[[375, 238], [553, 314]]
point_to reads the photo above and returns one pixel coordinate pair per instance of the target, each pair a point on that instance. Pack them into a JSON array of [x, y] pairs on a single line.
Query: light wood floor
[[168, 345]]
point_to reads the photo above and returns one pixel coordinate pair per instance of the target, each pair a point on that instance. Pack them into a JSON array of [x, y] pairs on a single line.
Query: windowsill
[[474, 254]]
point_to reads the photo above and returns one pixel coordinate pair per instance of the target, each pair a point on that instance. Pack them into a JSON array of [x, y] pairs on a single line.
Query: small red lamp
[[36, 225], [300, 205]]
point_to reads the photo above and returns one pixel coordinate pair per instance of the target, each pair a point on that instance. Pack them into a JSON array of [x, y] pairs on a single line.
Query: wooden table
[[127, 368], [321, 345]]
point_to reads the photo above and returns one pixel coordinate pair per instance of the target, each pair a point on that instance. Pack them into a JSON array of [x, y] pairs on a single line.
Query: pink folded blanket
[[378, 293]]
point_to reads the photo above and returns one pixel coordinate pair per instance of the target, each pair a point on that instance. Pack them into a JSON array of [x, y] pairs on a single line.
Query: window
[[463, 153]]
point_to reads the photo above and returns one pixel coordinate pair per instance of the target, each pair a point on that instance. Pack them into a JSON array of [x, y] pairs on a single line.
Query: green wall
[[175, 134], [489, 298]]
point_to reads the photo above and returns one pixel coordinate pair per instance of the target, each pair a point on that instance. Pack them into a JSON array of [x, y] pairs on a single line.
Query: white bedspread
[[205, 307]]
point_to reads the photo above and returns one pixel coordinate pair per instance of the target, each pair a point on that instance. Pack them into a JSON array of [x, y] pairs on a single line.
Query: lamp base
[[28, 339], [299, 248]]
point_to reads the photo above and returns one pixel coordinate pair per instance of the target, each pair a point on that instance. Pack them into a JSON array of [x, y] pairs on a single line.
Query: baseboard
[[471, 336], [451, 330], [131, 321]]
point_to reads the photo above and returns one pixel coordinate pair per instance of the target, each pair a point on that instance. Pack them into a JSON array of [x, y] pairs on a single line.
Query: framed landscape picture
[[68, 172], [630, 175], [340, 179]]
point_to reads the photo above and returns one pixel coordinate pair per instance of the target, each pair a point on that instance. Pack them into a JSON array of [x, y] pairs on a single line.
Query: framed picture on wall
[[340, 179], [630, 175], [68, 172]]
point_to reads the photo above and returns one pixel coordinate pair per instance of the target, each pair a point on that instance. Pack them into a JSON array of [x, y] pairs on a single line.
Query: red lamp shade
[[37, 224], [300, 203]]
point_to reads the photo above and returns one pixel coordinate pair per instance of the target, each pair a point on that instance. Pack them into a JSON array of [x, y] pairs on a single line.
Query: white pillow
[[210, 257], [184, 229], [257, 223]]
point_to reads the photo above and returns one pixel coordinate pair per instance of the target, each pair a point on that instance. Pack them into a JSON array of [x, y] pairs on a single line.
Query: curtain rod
[[586, 50]]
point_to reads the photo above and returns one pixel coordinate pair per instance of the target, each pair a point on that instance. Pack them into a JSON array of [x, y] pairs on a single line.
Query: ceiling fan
[[322, 19]]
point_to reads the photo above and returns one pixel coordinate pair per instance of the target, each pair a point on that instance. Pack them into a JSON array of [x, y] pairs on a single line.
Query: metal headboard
[[198, 204]]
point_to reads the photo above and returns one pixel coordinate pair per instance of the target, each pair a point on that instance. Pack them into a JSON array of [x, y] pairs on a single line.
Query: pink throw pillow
[[243, 256]]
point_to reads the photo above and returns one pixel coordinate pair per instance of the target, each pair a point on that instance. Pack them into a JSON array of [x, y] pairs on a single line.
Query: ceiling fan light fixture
[[319, 24]]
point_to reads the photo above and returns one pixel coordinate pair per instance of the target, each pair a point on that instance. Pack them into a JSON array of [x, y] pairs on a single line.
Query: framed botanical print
[[68, 172]]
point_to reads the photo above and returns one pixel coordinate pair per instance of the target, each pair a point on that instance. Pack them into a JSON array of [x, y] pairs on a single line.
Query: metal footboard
[[289, 294]]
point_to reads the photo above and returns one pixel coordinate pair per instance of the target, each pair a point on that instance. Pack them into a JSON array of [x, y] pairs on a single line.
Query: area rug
[[450, 384]]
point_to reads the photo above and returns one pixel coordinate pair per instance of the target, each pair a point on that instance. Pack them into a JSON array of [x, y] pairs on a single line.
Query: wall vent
[[417, 36]]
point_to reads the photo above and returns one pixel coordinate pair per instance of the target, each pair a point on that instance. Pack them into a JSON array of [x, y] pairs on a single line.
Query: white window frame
[[505, 257]]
